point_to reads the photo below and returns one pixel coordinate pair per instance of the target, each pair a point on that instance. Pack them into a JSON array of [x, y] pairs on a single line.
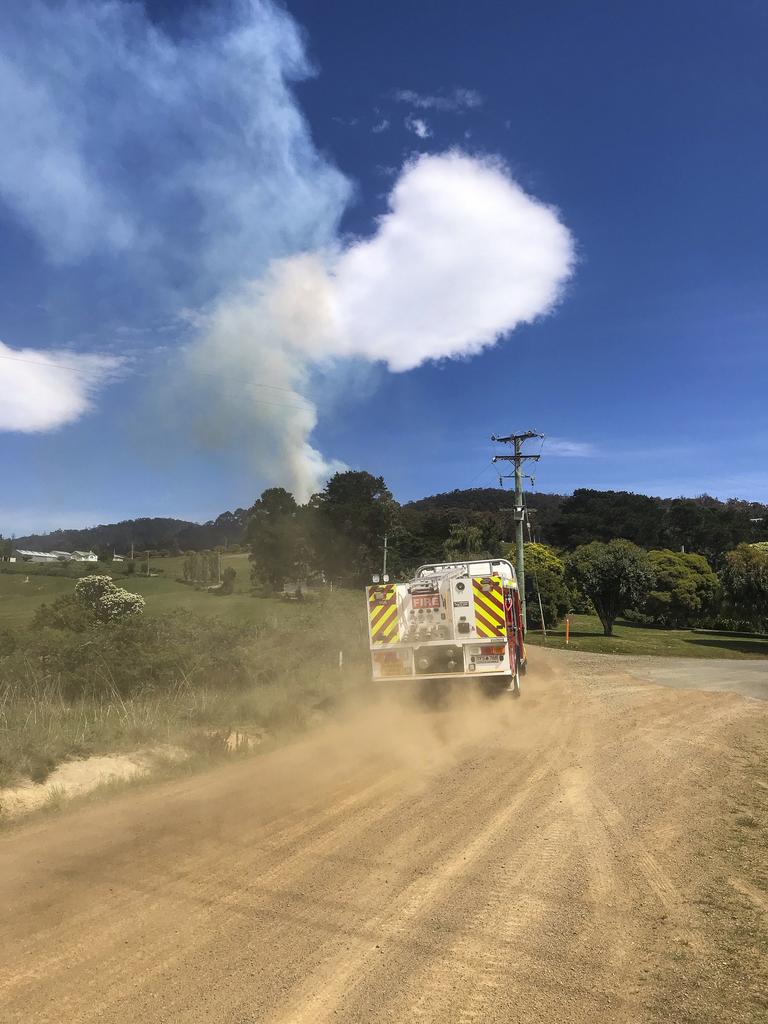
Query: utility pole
[[384, 570], [517, 441]]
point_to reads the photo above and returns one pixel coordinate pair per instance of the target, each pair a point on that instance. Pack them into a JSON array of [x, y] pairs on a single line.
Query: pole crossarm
[[511, 438]]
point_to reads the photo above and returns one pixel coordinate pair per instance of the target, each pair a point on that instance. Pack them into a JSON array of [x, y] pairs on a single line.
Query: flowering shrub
[[108, 602], [92, 588], [118, 604]]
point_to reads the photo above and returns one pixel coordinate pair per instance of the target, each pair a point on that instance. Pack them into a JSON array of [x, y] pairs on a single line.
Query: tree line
[[338, 536], [670, 589], [703, 524]]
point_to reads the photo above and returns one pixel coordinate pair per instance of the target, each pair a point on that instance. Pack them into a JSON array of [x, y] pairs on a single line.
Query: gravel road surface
[[749, 678], [590, 853]]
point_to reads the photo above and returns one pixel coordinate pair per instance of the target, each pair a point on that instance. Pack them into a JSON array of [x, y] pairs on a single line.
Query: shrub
[[119, 604], [66, 613], [107, 601], [744, 578], [228, 580], [8, 642], [684, 591], [545, 576]]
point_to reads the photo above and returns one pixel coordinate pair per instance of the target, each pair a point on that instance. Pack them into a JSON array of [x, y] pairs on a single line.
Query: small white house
[[118, 558], [84, 556], [35, 556]]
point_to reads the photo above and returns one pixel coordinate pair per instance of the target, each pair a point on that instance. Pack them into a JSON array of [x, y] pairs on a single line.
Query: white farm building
[[24, 555]]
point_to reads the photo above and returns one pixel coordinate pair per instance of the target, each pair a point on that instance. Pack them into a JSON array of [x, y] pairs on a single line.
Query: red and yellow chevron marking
[[490, 619], [382, 614]]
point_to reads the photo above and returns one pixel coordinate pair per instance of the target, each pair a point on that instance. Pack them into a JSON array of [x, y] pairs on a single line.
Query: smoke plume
[[462, 257], [167, 167]]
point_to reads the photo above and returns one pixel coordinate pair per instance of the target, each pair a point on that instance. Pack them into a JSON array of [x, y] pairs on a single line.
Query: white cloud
[[178, 168], [570, 449], [418, 126], [451, 102], [163, 170], [461, 258], [45, 390], [380, 126]]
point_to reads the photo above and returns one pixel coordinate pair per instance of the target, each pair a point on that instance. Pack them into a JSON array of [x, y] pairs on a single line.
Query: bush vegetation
[[76, 684], [684, 591], [93, 674]]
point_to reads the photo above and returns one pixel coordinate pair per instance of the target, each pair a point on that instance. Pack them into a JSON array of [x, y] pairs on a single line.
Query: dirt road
[[589, 853]]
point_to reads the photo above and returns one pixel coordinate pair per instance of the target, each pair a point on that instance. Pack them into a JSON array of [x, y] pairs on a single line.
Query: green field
[[164, 594], [20, 599], [586, 634]]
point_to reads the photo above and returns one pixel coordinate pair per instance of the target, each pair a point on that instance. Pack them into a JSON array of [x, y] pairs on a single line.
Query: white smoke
[[156, 170], [463, 256], [46, 390], [166, 171], [184, 157]]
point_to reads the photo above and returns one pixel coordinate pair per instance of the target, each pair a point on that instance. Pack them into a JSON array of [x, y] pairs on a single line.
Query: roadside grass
[[734, 984], [272, 684], [40, 729], [586, 634], [163, 767]]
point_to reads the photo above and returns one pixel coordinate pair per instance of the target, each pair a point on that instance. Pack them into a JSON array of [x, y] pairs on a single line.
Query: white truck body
[[457, 619]]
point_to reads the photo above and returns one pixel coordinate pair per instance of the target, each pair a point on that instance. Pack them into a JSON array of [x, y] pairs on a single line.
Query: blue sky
[[164, 157]]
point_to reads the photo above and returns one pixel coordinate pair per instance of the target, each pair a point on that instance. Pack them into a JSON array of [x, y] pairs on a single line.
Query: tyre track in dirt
[[490, 861]]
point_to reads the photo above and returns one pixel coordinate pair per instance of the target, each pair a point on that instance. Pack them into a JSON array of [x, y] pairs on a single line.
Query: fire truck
[[459, 620]]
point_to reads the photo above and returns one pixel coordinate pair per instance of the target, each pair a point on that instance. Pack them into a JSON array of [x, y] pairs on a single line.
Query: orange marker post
[[567, 628]]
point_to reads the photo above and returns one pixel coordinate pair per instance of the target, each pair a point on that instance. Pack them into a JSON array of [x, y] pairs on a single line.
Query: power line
[[485, 469], [57, 364], [85, 372]]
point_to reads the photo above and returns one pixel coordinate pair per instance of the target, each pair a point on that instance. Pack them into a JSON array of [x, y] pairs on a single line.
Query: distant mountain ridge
[[148, 533], [702, 524]]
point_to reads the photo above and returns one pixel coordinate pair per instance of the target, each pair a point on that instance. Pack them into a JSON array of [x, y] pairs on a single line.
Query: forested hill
[[703, 524], [156, 534], [490, 502], [484, 499]]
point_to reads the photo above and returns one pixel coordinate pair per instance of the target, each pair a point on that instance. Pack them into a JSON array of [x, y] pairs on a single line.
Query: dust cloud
[[415, 730]]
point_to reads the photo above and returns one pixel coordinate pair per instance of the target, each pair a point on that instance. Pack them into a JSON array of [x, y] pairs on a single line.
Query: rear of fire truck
[[459, 620]]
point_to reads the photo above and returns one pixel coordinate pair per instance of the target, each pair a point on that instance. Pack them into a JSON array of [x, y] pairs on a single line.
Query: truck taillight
[[386, 657], [496, 649]]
